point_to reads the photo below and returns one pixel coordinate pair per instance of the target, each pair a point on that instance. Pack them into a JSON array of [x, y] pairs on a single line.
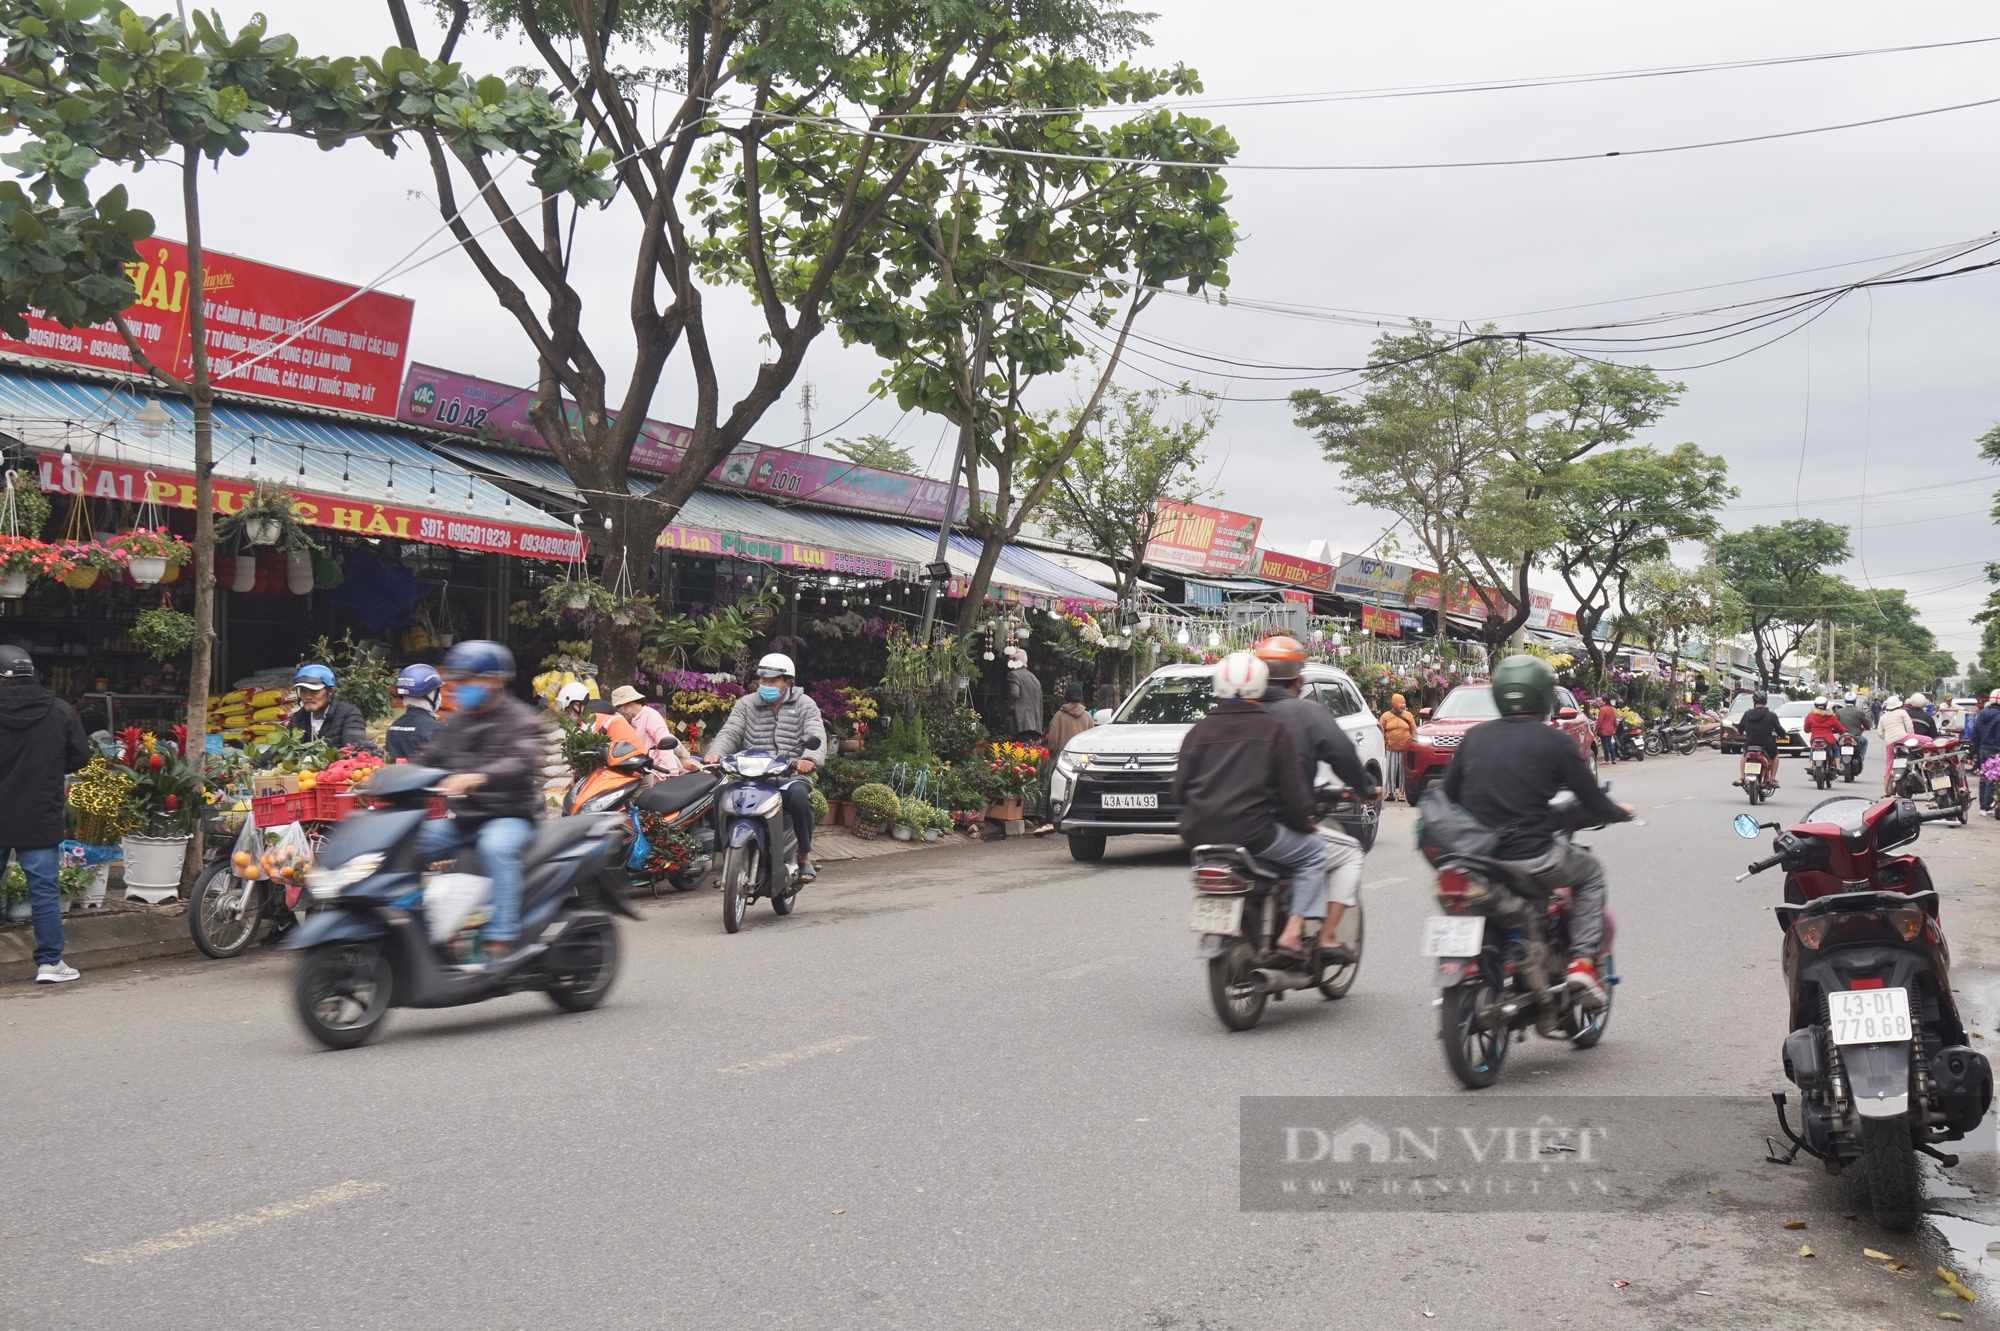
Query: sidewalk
[[123, 931], [832, 844]]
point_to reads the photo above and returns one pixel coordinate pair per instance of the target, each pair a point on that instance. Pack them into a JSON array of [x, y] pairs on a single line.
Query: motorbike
[[1877, 1049], [651, 814], [1240, 908], [388, 933], [1819, 763], [1757, 781], [225, 908], [1502, 945], [1665, 737], [1850, 758], [760, 856], [1922, 767], [1629, 743]]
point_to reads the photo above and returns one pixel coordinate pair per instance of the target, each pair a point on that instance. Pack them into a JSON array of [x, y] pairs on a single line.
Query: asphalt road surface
[[968, 1087]]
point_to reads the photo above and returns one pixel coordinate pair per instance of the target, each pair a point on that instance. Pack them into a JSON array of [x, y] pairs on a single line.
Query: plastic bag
[[451, 901], [246, 860], [1445, 830], [287, 858]]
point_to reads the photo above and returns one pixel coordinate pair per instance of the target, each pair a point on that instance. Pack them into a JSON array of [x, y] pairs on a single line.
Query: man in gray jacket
[[1024, 698], [779, 718]]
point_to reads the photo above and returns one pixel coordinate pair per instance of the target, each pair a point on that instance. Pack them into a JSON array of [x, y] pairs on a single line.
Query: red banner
[[351, 360], [1386, 622], [1197, 539], [70, 474], [1274, 567]]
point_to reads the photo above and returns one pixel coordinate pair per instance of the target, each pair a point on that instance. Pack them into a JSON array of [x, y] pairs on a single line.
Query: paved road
[[975, 1087]]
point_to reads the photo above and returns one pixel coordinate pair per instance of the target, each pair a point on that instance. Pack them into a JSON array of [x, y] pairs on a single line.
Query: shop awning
[[345, 477], [1096, 570]]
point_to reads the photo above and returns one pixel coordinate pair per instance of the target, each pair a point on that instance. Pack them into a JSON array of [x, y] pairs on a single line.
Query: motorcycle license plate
[[1131, 802], [1941, 783], [1454, 935], [1869, 1016], [1217, 915]]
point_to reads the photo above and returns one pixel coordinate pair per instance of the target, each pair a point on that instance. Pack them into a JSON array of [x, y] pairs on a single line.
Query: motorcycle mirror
[[812, 742], [1747, 826]]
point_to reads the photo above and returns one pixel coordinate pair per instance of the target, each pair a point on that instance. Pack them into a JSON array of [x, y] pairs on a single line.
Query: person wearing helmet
[[1239, 782], [1761, 730], [1982, 736], [1919, 708], [418, 686], [1821, 723], [779, 717], [1505, 774], [570, 699], [1894, 726], [1318, 738], [323, 716], [490, 746], [40, 741], [1854, 720]]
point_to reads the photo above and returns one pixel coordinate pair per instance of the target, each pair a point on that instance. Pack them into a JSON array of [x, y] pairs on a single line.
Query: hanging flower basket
[[262, 531], [13, 584], [267, 518], [81, 578]]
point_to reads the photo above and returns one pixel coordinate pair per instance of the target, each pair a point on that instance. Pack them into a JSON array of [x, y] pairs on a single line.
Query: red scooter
[[1877, 1048]]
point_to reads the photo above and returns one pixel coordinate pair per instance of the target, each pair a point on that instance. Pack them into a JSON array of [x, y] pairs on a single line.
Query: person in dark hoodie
[[40, 741]]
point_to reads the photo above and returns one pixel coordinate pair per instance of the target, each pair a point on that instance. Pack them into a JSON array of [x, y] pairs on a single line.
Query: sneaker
[[57, 972], [1582, 977]]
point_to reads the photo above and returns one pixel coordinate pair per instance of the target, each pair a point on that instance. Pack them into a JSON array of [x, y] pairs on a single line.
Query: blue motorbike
[[760, 848]]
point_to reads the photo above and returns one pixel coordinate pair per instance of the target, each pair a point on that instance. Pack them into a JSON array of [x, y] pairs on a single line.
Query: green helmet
[[1524, 685]]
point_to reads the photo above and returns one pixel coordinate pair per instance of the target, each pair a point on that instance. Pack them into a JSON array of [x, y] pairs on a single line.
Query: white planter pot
[[20, 910], [153, 867], [299, 573], [261, 531], [246, 574], [932, 834], [146, 570], [14, 585], [901, 833], [93, 892]]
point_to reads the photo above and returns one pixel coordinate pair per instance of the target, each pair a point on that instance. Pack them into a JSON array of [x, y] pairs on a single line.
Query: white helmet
[[1917, 700], [1891, 703], [571, 694], [1848, 697], [1241, 675], [776, 664], [1993, 696], [1820, 701]]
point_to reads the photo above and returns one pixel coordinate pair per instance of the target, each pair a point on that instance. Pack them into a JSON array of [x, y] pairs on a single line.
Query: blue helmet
[[479, 657], [418, 681], [318, 676]]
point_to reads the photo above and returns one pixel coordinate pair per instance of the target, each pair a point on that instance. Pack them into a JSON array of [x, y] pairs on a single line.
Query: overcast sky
[[1891, 393]]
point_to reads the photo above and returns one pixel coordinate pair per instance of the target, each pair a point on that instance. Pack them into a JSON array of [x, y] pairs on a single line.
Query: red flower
[[156, 762], [180, 739], [173, 801]]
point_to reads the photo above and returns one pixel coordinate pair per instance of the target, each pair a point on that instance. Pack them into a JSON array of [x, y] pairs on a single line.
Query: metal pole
[[939, 569]]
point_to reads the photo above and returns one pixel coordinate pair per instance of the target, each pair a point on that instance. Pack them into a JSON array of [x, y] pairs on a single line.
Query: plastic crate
[[277, 810], [330, 806]]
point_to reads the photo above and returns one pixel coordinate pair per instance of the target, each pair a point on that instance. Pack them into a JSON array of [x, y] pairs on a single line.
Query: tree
[[1129, 460], [874, 450], [768, 156], [1779, 574], [1619, 509], [1878, 637], [1672, 605], [1470, 439], [92, 83]]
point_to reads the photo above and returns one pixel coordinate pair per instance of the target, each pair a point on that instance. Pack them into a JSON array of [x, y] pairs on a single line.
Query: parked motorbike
[[761, 850], [679, 803], [390, 934], [225, 908], [1921, 767], [1819, 763], [1629, 743], [1877, 1049], [1502, 945], [1758, 781], [1240, 908], [1662, 736], [1850, 758]]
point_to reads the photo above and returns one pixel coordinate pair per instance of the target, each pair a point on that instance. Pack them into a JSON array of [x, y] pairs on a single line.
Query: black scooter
[[368, 946]]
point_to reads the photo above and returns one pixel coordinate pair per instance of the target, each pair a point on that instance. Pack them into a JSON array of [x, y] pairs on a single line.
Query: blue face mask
[[473, 696], [770, 692]]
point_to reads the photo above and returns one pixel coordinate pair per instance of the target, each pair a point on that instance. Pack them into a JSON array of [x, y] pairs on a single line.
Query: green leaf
[[492, 89]]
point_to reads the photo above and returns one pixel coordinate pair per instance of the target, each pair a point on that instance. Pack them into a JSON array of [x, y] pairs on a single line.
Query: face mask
[[770, 692], [473, 696]]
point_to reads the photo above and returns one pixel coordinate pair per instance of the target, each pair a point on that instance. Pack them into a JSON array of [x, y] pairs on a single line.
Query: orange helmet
[[1285, 655]]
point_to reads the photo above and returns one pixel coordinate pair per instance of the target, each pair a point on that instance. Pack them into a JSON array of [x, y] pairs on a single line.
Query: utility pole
[[808, 399], [963, 457]]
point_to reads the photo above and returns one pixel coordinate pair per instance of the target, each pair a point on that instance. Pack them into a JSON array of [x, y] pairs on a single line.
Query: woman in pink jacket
[[669, 755]]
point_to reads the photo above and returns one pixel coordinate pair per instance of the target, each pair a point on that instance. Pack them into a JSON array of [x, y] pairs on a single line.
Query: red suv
[[1443, 726]]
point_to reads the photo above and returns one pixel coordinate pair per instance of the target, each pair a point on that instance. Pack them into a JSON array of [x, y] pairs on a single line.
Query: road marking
[[1078, 972], [790, 1056], [1385, 882], [210, 1230]]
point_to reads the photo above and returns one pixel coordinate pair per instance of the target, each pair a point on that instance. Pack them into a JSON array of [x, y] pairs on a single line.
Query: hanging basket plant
[[266, 518], [163, 632]]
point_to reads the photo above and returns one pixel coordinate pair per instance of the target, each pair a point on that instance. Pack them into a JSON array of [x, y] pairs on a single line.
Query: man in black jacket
[[1319, 739], [323, 716], [1761, 730], [40, 740], [492, 746], [1505, 774], [1239, 782]]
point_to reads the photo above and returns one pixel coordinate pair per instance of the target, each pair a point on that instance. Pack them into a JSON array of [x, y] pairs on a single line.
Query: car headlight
[[326, 884], [1070, 763]]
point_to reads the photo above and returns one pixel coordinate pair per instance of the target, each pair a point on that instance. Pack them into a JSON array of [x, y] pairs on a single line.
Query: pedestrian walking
[[1398, 725], [1070, 720], [41, 740], [1607, 728]]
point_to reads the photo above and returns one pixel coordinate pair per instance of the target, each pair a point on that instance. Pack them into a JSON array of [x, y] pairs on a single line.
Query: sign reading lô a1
[[349, 360]]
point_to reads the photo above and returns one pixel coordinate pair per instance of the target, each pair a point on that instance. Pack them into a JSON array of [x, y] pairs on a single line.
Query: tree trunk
[[202, 652], [974, 604]]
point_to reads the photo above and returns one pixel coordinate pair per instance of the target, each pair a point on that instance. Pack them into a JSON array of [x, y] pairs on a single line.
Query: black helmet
[[478, 657], [15, 661], [1759, 698], [1524, 686]]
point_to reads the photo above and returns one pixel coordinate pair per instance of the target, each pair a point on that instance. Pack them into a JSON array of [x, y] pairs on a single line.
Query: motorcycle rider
[[1895, 724], [323, 716], [779, 717], [1318, 738], [1505, 774], [418, 686], [1983, 738], [1855, 722], [1821, 723], [491, 744], [1919, 708], [1239, 782], [1761, 729]]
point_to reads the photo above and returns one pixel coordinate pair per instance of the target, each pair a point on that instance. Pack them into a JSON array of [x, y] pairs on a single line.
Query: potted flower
[[85, 562], [166, 794], [14, 887], [149, 551], [925, 820], [99, 812], [1012, 770], [23, 558], [162, 632], [267, 518], [875, 807]]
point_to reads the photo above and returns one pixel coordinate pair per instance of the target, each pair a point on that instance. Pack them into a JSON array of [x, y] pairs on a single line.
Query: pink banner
[[736, 546]]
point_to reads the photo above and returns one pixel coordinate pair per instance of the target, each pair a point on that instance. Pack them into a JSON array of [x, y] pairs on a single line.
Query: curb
[[111, 937]]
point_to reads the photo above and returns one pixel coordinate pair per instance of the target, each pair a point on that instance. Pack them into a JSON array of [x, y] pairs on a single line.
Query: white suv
[[1118, 776]]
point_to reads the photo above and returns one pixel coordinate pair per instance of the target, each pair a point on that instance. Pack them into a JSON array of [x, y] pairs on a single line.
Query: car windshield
[[1793, 709], [1168, 700], [1466, 705]]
